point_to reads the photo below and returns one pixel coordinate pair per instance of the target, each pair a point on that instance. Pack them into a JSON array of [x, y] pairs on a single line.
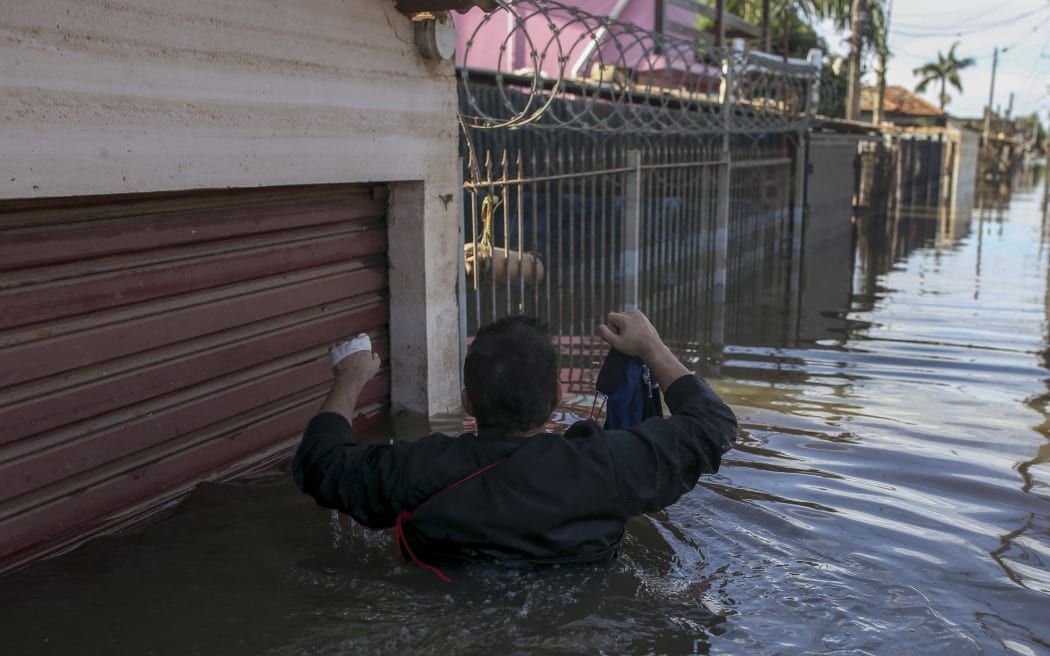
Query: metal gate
[[609, 166], [583, 230], [153, 341]]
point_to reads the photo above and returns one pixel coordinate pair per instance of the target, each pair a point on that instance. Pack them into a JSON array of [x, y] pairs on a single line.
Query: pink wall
[[485, 51], [501, 44]]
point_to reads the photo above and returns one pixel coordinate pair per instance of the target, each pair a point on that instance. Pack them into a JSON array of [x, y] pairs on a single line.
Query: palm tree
[[945, 70], [880, 35]]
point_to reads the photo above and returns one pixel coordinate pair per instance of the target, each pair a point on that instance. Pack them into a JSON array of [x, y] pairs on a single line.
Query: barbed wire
[[552, 65]]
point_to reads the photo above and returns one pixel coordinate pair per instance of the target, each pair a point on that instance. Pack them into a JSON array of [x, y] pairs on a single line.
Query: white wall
[[143, 95], [827, 263], [964, 182]]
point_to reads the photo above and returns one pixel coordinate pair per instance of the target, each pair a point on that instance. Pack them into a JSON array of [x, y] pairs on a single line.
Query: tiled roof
[[898, 100]]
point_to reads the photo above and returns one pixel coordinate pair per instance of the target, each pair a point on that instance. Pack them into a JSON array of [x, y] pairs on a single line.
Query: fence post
[[461, 274], [800, 177], [898, 178], [799, 172], [815, 57], [724, 189], [632, 228]]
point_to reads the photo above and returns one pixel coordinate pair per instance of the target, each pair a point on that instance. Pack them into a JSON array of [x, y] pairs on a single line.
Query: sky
[[921, 28]]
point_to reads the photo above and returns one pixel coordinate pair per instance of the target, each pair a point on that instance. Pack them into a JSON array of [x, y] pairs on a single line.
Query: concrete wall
[[827, 262], [142, 95], [964, 182]]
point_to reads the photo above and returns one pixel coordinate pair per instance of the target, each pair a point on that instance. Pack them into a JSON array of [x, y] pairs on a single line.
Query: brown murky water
[[890, 494]]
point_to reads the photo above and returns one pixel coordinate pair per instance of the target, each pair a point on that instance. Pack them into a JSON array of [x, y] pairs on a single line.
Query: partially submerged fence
[[611, 167], [914, 172]]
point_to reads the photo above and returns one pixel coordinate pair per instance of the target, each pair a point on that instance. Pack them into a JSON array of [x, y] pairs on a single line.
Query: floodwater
[[890, 494]]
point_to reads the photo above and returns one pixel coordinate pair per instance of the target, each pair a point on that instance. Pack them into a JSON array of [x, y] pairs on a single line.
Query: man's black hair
[[511, 374]]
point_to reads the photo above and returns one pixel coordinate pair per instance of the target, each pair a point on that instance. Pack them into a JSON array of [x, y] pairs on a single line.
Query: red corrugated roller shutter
[[152, 341]]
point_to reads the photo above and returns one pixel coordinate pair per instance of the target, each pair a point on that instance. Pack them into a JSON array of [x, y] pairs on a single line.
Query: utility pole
[[991, 97], [1010, 106], [853, 90]]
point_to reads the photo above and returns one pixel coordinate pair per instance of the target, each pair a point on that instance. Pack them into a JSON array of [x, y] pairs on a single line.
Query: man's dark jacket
[[551, 498]]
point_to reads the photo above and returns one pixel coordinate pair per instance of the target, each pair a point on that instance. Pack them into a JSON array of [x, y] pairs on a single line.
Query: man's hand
[[351, 374], [632, 334], [360, 366]]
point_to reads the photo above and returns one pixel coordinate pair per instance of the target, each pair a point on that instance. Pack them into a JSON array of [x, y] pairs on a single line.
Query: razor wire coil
[[545, 64]]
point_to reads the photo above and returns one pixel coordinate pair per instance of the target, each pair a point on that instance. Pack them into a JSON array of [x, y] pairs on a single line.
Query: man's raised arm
[[632, 334], [660, 459]]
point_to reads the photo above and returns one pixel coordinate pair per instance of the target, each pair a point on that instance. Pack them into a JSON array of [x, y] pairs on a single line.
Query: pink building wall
[[501, 44]]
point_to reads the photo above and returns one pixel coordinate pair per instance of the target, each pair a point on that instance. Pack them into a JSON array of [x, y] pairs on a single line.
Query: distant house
[[559, 43], [901, 107], [938, 154]]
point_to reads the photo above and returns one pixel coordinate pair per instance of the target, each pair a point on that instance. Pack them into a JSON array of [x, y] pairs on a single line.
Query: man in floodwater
[[513, 491]]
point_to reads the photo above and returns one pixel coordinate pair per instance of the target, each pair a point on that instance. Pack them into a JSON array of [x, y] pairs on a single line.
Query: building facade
[[198, 199]]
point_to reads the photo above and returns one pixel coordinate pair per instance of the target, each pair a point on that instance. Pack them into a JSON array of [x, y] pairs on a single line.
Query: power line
[[983, 55], [964, 30], [939, 16], [1039, 108], [974, 22], [1035, 65], [1029, 33]]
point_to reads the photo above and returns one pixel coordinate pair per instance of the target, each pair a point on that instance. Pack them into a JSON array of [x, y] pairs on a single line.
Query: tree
[[802, 14], [868, 23], [1033, 130], [880, 28], [871, 35], [801, 35], [945, 71]]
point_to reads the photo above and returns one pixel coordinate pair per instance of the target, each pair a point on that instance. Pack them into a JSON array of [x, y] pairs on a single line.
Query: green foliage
[[802, 15], [944, 71], [833, 88], [1025, 125], [811, 10], [801, 35]]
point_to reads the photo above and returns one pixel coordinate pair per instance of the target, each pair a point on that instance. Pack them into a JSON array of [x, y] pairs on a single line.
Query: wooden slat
[[54, 475], [153, 341], [98, 390], [48, 298], [64, 346], [47, 458], [42, 244], [141, 477]]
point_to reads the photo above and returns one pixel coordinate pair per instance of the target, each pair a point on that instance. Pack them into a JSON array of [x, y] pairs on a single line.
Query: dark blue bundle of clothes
[[632, 395]]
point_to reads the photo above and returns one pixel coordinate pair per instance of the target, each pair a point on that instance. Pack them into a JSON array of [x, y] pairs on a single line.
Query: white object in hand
[[359, 343]]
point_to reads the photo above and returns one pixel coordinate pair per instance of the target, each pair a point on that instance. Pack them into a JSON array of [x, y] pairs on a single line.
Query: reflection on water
[[890, 494]]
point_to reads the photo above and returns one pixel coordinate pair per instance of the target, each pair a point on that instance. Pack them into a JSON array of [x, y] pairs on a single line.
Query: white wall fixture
[[435, 34]]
